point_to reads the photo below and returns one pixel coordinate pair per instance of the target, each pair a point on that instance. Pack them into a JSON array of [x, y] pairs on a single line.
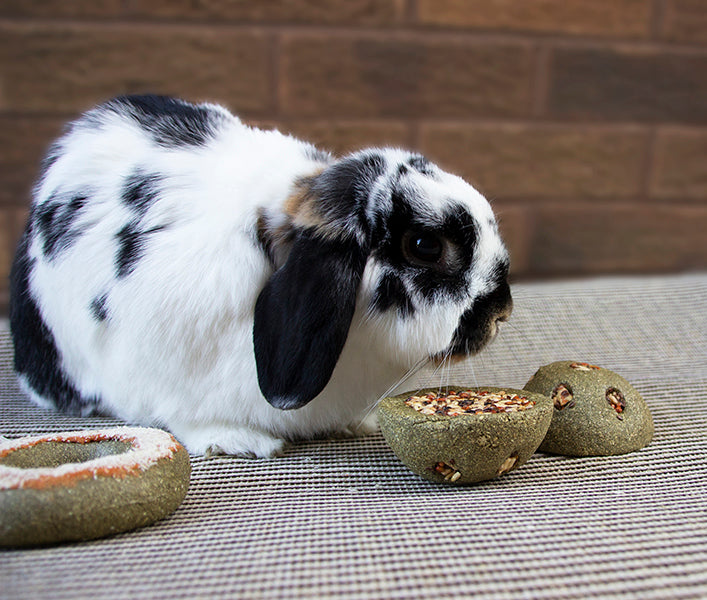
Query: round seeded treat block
[[88, 484], [596, 411], [466, 448]]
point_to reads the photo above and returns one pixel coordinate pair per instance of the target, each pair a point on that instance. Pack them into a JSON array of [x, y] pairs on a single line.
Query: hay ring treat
[[596, 411], [462, 435], [88, 484]]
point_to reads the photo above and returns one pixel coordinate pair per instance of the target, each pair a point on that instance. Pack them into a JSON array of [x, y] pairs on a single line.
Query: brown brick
[[68, 68], [625, 18], [23, 141], [628, 84], [341, 137], [403, 76], [520, 161], [61, 8], [577, 240], [359, 12], [685, 21], [515, 225], [680, 169]]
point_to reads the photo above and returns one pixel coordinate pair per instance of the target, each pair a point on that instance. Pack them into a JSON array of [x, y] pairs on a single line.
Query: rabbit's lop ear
[[303, 314]]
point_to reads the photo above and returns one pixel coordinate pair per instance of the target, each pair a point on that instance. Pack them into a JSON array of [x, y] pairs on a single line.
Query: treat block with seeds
[[596, 411], [462, 435]]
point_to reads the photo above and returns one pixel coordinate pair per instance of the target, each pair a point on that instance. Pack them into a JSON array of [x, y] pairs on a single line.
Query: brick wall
[[584, 121]]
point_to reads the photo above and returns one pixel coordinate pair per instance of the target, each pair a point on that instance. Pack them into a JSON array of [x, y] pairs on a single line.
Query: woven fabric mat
[[344, 519]]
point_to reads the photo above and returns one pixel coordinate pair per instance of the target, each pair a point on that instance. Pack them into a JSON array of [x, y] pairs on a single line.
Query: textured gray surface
[[344, 518]]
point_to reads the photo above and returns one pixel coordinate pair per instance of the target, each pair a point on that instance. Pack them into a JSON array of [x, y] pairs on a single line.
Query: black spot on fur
[[44, 218], [131, 246], [463, 230], [460, 229], [171, 122], [55, 220], [343, 190], [318, 155], [422, 165], [36, 354], [391, 293], [99, 308], [471, 333], [456, 226], [141, 190], [130, 249]]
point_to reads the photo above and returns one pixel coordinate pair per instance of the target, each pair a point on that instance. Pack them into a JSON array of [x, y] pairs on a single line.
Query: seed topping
[[582, 366], [507, 465], [562, 397], [617, 401], [453, 404], [449, 472]]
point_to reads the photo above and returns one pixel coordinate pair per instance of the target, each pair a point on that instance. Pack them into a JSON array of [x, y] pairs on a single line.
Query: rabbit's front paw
[[237, 441]]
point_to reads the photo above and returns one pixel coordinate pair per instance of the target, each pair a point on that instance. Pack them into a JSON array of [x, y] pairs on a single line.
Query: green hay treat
[[596, 411], [88, 484], [466, 435]]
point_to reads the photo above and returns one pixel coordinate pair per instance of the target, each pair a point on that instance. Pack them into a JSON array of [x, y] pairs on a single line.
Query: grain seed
[[453, 404]]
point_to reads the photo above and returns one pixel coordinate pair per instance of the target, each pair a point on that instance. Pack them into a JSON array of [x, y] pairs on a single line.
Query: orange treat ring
[[88, 484]]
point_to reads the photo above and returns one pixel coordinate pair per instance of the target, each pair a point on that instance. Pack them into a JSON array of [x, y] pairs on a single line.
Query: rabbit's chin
[[457, 355], [460, 350]]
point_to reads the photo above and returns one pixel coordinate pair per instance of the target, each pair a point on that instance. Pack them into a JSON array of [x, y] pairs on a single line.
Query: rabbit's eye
[[422, 247]]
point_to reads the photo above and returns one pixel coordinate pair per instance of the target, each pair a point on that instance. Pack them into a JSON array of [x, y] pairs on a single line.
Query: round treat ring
[[88, 484]]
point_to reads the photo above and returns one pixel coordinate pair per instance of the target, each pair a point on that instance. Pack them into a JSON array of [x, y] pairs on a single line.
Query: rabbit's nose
[[504, 313], [503, 317]]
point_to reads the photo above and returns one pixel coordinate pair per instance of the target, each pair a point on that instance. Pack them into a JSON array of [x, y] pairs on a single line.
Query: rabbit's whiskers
[[409, 373], [445, 368]]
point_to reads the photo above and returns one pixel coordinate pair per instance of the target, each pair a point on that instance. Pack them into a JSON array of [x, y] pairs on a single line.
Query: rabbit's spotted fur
[[238, 286]]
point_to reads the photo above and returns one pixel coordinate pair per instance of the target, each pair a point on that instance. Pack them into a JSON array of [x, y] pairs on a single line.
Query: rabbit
[[238, 286]]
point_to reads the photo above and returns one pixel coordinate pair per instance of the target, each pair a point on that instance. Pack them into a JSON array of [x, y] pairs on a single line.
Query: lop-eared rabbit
[[240, 287]]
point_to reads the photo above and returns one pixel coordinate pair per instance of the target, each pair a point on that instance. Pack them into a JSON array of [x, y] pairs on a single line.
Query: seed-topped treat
[[596, 411], [462, 435]]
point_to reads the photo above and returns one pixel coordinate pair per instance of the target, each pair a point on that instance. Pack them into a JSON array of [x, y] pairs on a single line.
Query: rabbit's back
[[140, 251]]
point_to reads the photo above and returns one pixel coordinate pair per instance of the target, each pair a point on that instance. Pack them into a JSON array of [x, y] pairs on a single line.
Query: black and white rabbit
[[238, 286]]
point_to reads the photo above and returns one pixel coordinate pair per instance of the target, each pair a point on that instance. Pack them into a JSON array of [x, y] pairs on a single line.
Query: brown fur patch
[[295, 201], [301, 204], [274, 238]]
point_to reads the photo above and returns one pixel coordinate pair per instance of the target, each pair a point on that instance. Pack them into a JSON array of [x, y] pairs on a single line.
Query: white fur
[[177, 348]]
